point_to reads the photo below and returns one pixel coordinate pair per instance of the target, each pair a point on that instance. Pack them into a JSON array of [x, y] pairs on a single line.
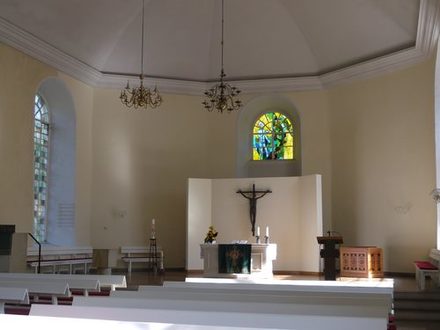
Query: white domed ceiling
[[264, 39]]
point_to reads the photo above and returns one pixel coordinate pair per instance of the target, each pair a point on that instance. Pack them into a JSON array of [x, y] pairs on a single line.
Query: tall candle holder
[[266, 239], [257, 238]]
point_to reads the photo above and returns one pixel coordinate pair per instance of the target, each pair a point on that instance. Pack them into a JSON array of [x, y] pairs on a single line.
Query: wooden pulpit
[[329, 252]]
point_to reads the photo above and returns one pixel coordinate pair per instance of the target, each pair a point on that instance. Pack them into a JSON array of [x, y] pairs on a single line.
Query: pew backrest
[[112, 281], [385, 286], [193, 318], [14, 295], [55, 288]]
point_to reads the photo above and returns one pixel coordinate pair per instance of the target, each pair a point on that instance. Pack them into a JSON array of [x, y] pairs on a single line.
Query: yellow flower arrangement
[[211, 235]]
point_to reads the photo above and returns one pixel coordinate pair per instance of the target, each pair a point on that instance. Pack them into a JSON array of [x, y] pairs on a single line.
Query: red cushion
[[425, 265]]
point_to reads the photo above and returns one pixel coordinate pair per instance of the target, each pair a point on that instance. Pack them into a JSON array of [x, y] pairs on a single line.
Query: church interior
[[133, 127]]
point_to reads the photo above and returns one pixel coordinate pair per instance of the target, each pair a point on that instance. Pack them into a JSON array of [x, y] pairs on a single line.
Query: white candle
[[153, 229], [267, 231], [258, 231]]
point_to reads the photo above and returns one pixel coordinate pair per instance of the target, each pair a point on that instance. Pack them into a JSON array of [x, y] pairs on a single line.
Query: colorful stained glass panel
[[273, 137]]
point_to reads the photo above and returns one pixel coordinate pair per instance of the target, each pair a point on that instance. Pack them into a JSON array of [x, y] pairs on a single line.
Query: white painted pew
[[142, 254], [57, 323], [112, 281], [371, 286], [13, 296], [56, 256], [246, 295], [53, 288], [366, 313], [233, 320], [85, 285]]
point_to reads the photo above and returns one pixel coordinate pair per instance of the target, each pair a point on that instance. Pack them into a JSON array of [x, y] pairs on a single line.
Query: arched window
[[273, 137], [254, 122], [54, 164], [41, 161]]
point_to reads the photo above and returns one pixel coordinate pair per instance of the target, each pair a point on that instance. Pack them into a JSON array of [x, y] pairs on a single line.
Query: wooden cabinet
[[361, 261]]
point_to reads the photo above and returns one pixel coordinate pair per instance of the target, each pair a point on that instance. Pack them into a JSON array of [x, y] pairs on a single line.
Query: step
[[417, 315], [424, 305], [417, 295], [417, 325]]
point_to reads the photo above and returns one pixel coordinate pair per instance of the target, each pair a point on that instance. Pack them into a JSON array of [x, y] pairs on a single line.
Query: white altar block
[[262, 257]]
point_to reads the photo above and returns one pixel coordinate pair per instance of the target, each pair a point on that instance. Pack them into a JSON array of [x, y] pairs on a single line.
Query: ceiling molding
[[426, 41], [278, 85], [40, 50], [427, 36], [164, 85]]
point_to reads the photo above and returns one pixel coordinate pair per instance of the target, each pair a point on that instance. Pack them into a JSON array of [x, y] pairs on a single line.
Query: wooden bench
[[13, 296], [53, 322], [104, 281], [56, 257], [385, 286], [170, 319], [54, 289], [299, 309], [80, 284], [428, 268], [142, 254]]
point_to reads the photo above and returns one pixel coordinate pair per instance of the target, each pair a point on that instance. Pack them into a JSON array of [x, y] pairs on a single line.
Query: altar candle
[[267, 231], [258, 231], [153, 229]]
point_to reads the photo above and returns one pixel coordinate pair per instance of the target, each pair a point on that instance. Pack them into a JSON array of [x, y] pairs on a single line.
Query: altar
[[259, 264]]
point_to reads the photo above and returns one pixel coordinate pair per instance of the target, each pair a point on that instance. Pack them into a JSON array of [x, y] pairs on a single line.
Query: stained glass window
[[273, 137], [41, 157]]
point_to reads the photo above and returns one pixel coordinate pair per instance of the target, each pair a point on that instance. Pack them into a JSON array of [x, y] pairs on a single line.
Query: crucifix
[[253, 195]]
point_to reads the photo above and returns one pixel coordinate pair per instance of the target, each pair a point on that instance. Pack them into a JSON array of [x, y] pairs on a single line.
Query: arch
[[246, 167], [60, 222]]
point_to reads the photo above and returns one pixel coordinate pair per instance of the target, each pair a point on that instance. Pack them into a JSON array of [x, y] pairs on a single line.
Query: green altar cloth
[[234, 258]]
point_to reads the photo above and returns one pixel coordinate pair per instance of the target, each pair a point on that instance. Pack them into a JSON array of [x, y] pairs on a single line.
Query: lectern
[[329, 253]]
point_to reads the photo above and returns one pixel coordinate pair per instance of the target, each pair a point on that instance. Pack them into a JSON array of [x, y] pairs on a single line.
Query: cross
[[253, 195]]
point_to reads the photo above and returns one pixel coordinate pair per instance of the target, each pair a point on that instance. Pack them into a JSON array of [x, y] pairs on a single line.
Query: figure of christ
[[253, 195]]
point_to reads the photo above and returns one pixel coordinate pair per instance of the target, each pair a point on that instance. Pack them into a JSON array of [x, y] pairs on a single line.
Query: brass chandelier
[[222, 97], [140, 97]]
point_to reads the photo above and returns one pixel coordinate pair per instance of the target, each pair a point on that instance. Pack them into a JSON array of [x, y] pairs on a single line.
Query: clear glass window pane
[[41, 147]]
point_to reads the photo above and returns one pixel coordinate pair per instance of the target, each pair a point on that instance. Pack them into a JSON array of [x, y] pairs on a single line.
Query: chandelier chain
[[142, 39], [223, 31], [222, 96], [141, 97]]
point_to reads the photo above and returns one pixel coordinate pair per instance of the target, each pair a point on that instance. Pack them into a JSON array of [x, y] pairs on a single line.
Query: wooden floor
[[401, 284]]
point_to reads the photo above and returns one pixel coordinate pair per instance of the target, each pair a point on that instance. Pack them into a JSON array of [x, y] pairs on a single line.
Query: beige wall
[[372, 142], [382, 135], [293, 213], [20, 76], [142, 160], [19, 81]]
